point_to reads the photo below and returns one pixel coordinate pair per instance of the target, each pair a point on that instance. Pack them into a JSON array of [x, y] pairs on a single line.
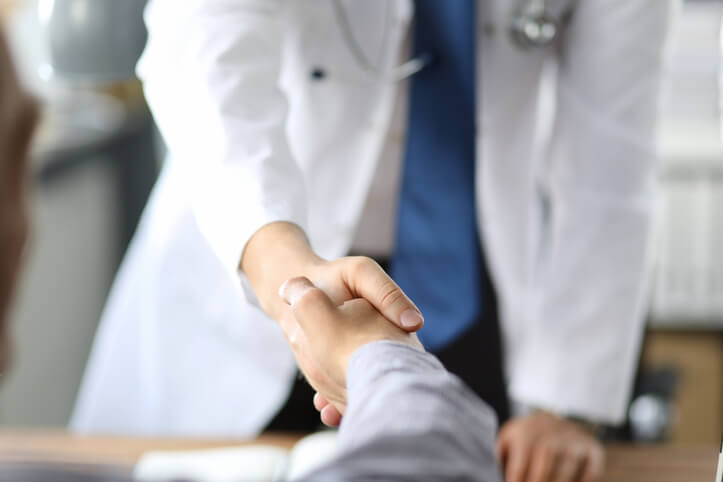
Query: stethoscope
[[533, 26]]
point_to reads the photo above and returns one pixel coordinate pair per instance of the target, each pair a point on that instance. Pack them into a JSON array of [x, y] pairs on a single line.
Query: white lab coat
[[183, 349]]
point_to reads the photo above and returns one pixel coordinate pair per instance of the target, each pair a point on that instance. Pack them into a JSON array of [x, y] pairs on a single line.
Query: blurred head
[[18, 114]]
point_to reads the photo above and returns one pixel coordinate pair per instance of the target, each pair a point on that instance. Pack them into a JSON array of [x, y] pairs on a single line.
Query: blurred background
[[95, 160], [97, 156]]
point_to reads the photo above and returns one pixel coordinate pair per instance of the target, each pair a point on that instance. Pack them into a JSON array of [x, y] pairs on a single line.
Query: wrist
[[275, 253], [590, 427]]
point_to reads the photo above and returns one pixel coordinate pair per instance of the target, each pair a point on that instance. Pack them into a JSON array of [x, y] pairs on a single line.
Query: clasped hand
[[324, 336]]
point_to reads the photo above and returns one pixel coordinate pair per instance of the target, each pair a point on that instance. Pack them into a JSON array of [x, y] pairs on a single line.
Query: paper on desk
[[235, 464], [215, 465]]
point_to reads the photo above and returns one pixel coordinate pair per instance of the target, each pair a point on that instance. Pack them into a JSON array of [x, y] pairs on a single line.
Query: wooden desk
[[625, 463], [62, 447]]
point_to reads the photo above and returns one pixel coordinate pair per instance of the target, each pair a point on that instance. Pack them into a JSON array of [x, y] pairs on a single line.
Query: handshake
[[323, 337]]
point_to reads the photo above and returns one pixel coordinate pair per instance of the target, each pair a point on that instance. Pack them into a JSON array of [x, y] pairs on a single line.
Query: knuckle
[[360, 265], [312, 298], [390, 294], [574, 454], [550, 449], [514, 429], [313, 373], [583, 453]]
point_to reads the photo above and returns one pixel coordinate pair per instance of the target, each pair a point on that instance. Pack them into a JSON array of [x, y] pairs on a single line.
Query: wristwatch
[[598, 430]]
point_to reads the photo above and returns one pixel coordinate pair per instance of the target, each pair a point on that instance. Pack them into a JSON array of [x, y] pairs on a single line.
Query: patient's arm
[[409, 419], [406, 417]]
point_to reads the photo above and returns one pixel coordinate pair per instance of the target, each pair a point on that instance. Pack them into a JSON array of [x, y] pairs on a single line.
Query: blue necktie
[[437, 260]]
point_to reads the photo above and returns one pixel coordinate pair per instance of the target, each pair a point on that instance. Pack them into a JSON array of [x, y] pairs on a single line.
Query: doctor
[[287, 124]]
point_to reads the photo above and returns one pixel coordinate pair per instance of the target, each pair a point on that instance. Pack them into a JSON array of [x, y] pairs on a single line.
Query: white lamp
[[93, 41]]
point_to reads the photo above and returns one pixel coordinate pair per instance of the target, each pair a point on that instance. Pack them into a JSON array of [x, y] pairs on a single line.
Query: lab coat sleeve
[[211, 75], [581, 354]]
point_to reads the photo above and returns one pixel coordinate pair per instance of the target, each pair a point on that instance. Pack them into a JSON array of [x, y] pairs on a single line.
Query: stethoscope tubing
[[532, 27]]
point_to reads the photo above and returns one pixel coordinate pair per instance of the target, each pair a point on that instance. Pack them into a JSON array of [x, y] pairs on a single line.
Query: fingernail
[[293, 289], [411, 318]]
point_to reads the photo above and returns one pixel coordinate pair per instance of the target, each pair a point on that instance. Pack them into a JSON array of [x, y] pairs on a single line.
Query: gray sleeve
[[410, 419]]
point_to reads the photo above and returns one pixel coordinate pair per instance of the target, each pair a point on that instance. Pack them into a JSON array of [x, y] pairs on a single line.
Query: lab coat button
[[317, 73]]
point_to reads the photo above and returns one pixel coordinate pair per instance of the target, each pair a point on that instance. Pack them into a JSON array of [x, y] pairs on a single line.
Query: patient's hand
[[324, 336]]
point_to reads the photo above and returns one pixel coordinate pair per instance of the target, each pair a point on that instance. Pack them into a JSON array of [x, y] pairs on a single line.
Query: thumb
[[313, 309], [366, 279]]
